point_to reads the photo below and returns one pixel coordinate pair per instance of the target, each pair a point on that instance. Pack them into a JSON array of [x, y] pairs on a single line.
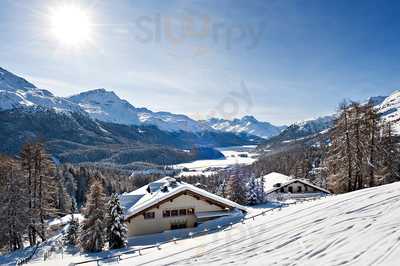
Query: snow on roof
[[276, 178], [164, 188], [212, 214]]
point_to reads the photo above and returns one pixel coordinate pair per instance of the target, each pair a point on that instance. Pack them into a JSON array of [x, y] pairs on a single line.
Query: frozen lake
[[233, 155]]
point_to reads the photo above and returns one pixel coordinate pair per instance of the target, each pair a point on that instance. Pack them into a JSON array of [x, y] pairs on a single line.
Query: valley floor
[[359, 228]]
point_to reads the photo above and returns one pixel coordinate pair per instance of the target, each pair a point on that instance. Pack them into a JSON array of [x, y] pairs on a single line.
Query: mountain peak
[[97, 95], [249, 118], [12, 82], [247, 124]]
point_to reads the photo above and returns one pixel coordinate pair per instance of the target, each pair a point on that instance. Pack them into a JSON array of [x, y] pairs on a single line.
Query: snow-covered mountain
[[17, 92], [389, 109], [313, 126], [246, 124], [99, 104], [107, 106]]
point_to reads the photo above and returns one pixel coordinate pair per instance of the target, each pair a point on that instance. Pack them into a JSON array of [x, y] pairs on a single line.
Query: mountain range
[[96, 114], [246, 124], [98, 126], [106, 106]]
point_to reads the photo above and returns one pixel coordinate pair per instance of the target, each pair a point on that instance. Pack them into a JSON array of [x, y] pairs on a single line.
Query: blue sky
[[281, 61]]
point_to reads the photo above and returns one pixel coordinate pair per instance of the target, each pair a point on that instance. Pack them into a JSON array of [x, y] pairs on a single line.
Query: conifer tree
[[236, 188], [72, 236], [41, 183], [13, 218], [92, 237], [221, 191], [252, 192], [261, 191], [389, 157], [116, 229]]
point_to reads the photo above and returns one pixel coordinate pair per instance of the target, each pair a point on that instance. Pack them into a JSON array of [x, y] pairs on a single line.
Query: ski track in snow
[[359, 228]]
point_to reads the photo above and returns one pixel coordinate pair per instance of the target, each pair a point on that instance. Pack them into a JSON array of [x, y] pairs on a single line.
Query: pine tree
[[339, 159], [40, 179], [261, 191], [252, 192], [236, 188], [12, 204], [72, 236], [221, 191], [359, 155], [117, 230], [92, 237], [389, 157]]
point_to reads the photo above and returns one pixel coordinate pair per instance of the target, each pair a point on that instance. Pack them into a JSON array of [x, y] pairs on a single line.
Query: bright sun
[[71, 25]]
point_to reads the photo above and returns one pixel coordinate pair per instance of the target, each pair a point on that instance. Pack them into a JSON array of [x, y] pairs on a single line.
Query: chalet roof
[[274, 178], [150, 195]]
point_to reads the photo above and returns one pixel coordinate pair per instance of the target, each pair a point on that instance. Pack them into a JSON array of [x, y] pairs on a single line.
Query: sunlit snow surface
[[359, 228], [231, 158]]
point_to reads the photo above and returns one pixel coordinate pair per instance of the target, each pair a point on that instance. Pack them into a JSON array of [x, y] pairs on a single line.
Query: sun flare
[[71, 25]]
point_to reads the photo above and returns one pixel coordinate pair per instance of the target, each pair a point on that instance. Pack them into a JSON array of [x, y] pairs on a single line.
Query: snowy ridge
[[16, 92], [11, 82], [107, 106], [246, 124], [390, 110], [315, 125]]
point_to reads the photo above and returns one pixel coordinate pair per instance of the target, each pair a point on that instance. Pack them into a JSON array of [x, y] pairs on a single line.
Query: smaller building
[[279, 186], [169, 204]]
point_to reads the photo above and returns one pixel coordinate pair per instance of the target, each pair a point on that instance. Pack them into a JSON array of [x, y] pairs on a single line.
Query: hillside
[[358, 228], [75, 137]]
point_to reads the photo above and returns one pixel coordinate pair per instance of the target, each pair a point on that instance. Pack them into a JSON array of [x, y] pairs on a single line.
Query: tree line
[[359, 151], [33, 191], [363, 151]]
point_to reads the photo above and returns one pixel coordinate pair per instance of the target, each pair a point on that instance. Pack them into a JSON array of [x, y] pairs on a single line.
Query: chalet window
[[290, 189], [180, 212], [149, 215], [282, 189], [299, 189], [178, 225]]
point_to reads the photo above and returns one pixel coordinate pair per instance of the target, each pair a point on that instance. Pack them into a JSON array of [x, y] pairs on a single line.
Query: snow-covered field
[[232, 156], [359, 228]]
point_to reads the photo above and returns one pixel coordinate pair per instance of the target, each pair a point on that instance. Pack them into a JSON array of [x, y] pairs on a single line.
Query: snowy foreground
[[359, 228]]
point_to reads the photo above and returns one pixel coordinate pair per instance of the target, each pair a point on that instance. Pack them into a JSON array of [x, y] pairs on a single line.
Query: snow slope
[[358, 228], [390, 110], [17, 92], [246, 124]]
